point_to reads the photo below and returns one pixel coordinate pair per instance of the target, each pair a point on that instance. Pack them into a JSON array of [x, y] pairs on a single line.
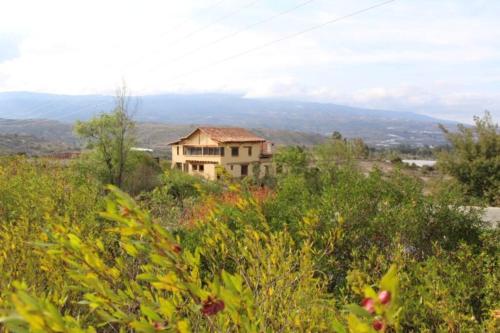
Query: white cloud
[[427, 56]]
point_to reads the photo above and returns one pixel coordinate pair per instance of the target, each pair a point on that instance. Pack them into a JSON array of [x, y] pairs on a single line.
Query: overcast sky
[[437, 57]]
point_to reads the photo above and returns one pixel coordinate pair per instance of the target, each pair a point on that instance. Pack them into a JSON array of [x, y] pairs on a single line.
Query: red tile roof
[[226, 134], [231, 134]]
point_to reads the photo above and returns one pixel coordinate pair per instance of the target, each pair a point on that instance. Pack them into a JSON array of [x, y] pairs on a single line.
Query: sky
[[435, 57]]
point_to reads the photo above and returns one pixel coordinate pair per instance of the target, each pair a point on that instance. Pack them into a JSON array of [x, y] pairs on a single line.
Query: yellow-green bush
[[307, 257], [33, 195]]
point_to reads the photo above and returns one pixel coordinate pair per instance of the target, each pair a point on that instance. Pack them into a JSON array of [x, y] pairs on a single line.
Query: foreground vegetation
[[321, 247], [191, 255]]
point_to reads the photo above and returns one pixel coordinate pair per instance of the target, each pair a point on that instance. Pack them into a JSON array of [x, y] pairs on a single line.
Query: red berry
[[368, 305], [176, 248], [384, 296], [212, 306], [377, 325], [159, 326], [124, 211]]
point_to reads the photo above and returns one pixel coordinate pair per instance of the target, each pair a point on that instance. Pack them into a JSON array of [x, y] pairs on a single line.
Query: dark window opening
[[215, 151], [201, 167], [200, 151], [177, 150], [249, 151], [195, 167], [235, 151], [244, 170]]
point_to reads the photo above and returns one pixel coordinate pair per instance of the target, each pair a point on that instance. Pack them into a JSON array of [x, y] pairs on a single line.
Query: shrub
[[475, 158]]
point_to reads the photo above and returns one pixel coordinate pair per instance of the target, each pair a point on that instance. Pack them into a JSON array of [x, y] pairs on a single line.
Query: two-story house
[[238, 150]]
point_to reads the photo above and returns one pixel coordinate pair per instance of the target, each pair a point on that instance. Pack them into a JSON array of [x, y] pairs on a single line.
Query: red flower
[[384, 296], [368, 305], [212, 306], [378, 324]]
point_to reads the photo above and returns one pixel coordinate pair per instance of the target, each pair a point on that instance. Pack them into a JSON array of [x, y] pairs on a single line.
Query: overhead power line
[[237, 32], [214, 42], [275, 41], [293, 35], [202, 28], [188, 35]]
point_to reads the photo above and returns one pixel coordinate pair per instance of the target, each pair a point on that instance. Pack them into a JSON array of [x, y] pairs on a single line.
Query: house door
[[244, 170]]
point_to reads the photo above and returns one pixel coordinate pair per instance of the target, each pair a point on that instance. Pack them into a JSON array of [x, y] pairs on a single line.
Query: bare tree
[[111, 136]]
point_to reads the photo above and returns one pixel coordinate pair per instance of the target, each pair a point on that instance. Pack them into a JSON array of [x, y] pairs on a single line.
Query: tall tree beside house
[[474, 159], [338, 150], [111, 136]]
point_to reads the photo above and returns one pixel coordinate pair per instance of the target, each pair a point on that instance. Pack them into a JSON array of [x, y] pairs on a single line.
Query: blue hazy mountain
[[375, 126]]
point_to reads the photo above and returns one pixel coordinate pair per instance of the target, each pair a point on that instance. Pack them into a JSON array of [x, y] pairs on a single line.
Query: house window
[[235, 151], [244, 170], [214, 151], [177, 150], [249, 151], [193, 151], [201, 167], [203, 151], [195, 167], [232, 167], [178, 166]]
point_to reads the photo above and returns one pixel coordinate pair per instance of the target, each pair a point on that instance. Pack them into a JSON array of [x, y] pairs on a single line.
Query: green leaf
[[150, 313], [130, 249], [338, 327], [358, 311], [390, 280], [147, 277], [183, 327], [370, 293], [141, 326], [356, 325]]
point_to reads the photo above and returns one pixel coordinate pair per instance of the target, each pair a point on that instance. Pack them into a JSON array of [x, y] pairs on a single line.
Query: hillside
[[376, 127], [33, 136], [29, 144]]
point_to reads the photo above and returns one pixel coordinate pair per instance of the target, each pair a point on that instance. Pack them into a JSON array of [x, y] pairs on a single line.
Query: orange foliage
[[260, 194]]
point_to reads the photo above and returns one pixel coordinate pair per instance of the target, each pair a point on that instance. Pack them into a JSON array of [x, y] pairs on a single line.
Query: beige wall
[[199, 139], [233, 164], [208, 172]]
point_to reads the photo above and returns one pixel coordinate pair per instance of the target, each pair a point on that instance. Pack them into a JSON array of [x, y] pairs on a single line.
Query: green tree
[[474, 159], [336, 135], [337, 150], [293, 159], [110, 136]]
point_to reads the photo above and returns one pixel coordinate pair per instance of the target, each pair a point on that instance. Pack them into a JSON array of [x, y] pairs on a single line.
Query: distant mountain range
[[376, 127]]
